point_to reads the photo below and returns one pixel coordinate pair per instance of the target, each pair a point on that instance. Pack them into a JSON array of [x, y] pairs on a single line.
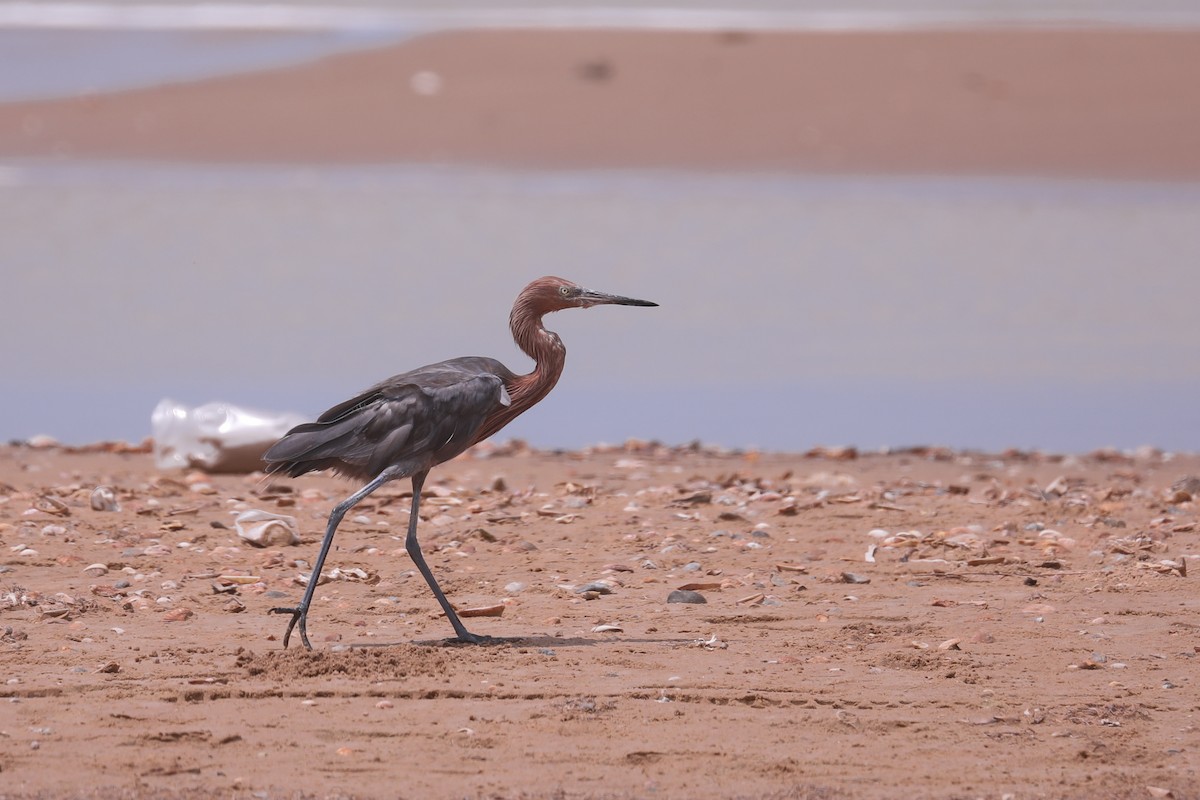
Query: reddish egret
[[410, 423]]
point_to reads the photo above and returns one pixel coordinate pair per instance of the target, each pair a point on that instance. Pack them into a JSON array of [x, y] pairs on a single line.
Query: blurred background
[[973, 224]]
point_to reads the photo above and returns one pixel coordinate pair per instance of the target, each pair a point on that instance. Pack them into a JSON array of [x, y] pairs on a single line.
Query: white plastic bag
[[216, 437]]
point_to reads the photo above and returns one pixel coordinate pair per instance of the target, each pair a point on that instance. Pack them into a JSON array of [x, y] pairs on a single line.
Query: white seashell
[[243, 579], [427, 83], [105, 499], [264, 529], [351, 574]]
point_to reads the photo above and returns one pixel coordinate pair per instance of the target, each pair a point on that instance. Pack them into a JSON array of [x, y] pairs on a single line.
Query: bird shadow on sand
[[526, 641], [491, 641]]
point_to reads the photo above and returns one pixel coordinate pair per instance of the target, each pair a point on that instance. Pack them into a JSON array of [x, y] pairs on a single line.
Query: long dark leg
[[300, 612], [414, 552]]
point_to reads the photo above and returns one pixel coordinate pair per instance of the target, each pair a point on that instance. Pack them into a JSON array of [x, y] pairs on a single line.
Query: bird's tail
[[310, 447]]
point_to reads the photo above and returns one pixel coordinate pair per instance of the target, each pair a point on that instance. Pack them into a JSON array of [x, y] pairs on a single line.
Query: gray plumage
[[410, 423]]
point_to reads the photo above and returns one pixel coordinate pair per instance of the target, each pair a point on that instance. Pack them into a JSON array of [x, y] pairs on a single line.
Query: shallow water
[[44, 63], [52, 49], [974, 312]]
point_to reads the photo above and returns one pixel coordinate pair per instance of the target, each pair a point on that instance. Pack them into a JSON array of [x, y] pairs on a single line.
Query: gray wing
[[410, 421]]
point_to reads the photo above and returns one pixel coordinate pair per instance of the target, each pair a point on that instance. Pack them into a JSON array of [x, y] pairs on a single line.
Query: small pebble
[[686, 596]]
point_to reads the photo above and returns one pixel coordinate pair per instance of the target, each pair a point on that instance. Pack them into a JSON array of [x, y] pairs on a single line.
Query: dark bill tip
[[600, 298]]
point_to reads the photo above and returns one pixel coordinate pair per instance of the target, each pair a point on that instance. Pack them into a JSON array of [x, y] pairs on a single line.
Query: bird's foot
[[466, 637], [299, 614]]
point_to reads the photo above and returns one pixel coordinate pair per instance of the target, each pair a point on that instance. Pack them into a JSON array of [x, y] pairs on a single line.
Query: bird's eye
[[564, 290]]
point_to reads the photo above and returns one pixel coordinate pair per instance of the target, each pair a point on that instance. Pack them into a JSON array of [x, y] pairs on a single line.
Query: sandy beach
[[922, 624], [913, 623], [1076, 103]]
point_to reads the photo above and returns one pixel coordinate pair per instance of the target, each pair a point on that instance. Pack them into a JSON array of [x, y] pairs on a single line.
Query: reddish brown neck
[[549, 355]]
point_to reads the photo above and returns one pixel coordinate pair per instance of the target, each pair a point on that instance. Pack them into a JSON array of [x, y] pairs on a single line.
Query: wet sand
[[1090, 103], [1026, 628]]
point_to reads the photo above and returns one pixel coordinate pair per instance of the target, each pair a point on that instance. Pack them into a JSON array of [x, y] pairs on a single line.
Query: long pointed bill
[[589, 298]]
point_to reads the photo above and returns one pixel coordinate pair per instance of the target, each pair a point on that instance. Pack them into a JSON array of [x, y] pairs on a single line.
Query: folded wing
[[410, 422]]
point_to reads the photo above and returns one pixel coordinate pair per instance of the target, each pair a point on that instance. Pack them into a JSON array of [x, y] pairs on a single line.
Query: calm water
[[63, 48], [974, 312], [970, 312]]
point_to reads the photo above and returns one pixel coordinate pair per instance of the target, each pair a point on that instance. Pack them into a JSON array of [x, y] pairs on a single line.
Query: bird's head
[[554, 294]]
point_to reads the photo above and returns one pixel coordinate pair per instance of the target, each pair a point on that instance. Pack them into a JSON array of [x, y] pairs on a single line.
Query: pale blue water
[[54, 63], [64, 48], [973, 312]]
